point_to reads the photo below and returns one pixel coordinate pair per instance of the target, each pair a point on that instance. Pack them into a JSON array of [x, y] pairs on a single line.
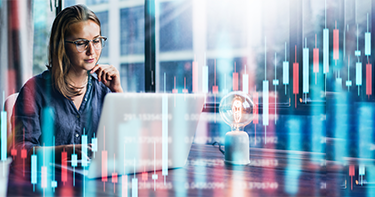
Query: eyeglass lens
[[83, 44]]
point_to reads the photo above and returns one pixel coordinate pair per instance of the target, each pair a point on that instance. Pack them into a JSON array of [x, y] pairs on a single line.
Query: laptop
[[142, 132]]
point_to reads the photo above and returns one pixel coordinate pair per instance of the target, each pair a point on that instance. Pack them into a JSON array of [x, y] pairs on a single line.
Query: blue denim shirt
[[41, 113]]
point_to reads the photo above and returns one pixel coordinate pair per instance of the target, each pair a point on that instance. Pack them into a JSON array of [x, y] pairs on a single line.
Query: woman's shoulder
[[38, 82]]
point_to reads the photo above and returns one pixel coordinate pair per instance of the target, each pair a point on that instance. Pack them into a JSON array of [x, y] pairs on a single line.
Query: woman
[[63, 103]]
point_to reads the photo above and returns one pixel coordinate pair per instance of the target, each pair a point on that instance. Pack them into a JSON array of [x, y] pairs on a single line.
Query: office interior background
[[312, 59]]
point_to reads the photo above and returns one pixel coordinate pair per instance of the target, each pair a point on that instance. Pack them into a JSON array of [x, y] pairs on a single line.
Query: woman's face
[[86, 60]]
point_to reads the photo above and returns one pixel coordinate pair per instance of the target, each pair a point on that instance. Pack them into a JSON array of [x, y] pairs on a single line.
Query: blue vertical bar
[[285, 72], [361, 169], [325, 50], [74, 160], [33, 169], [3, 136], [368, 43], [134, 187], [305, 70], [205, 79], [84, 151], [365, 115], [94, 145], [358, 74], [245, 83], [225, 90], [265, 102], [165, 135]]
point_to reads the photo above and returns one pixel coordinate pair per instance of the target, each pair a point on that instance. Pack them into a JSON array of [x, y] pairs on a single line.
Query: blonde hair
[[58, 61]]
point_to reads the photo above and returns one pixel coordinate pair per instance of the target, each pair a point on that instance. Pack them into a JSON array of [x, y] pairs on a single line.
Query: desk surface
[[270, 173]]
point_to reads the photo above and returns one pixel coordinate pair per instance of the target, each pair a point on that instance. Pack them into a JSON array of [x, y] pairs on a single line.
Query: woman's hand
[[109, 76]]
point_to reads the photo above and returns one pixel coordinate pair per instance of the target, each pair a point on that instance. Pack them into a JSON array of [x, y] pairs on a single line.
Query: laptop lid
[[141, 132]]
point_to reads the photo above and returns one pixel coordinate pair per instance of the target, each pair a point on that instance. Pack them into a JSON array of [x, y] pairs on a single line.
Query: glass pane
[[125, 45], [175, 26], [43, 18], [132, 26], [94, 2], [132, 77], [103, 17], [178, 76], [68, 3]]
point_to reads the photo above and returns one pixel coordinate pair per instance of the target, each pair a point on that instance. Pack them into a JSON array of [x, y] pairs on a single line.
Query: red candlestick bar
[[114, 181], [64, 172], [295, 77], [23, 153], [175, 90], [351, 174], [255, 109], [235, 81], [104, 166], [185, 90], [215, 89], [316, 58], [256, 116], [369, 79], [295, 74], [235, 78], [144, 176], [335, 43]]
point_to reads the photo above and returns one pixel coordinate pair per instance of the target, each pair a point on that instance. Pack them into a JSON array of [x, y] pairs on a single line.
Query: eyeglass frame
[[88, 42]]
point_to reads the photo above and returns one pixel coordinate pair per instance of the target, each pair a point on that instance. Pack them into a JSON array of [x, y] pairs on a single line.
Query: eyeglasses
[[82, 44]]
